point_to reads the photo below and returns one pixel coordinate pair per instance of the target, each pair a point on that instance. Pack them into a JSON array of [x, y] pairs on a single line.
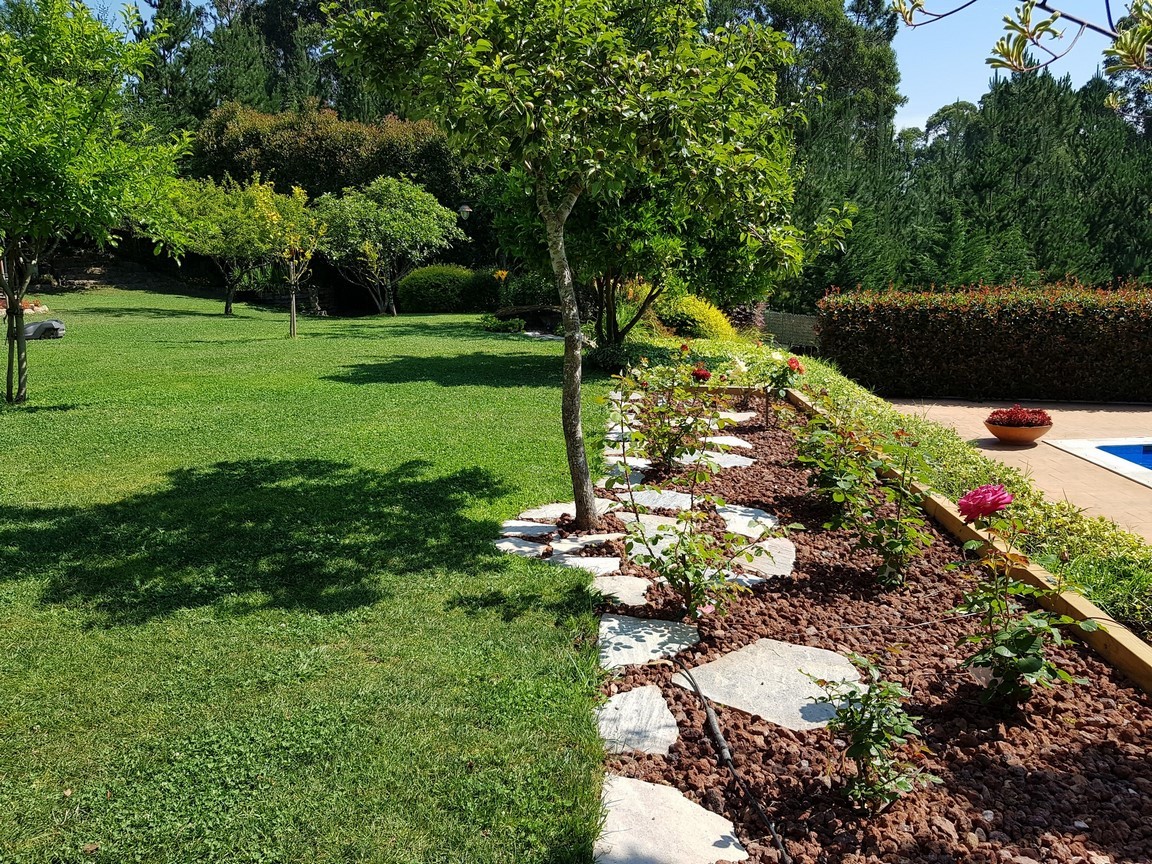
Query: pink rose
[[983, 501]]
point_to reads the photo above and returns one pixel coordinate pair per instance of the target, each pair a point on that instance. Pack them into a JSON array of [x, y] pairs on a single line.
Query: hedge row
[[1063, 342]]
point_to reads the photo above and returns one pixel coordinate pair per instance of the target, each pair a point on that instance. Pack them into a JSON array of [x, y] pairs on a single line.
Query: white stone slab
[[638, 720], [552, 512], [739, 416], [650, 522], [614, 458], [629, 590], [662, 499], [767, 679], [722, 460], [778, 560], [517, 546], [750, 522], [729, 441], [625, 640], [522, 527], [650, 824], [598, 566], [575, 544]]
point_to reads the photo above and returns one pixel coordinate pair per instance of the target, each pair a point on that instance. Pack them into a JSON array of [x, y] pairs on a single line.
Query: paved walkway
[[1060, 475]]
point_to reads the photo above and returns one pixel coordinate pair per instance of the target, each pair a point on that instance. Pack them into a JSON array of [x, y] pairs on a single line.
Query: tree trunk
[[229, 296], [17, 277], [9, 320], [586, 516], [292, 314], [17, 316]]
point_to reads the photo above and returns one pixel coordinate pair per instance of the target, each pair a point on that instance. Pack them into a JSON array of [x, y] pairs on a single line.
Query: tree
[[229, 224], [377, 235], [584, 99], [174, 90], [71, 165], [296, 234]]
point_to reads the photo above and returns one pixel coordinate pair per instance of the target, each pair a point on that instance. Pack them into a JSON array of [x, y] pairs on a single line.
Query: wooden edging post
[[1114, 642]]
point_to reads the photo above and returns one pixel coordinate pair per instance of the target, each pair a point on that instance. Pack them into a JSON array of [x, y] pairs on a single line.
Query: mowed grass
[[249, 604]]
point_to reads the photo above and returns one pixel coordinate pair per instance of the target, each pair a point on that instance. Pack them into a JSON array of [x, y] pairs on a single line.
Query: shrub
[[314, 149], [694, 316], [528, 289], [1020, 417], [492, 324], [1061, 342], [438, 288]]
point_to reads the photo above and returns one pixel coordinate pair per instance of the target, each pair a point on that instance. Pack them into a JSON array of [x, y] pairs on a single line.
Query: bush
[[317, 151], [492, 324], [693, 316], [438, 288], [1019, 417], [1064, 342], [528, 289]]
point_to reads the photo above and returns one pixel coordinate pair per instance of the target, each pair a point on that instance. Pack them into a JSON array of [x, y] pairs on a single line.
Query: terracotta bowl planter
[[1017, 434]]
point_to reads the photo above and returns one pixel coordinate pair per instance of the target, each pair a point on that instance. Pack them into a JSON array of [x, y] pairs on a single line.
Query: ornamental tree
[[71, 164], [297, 231], [581, 100], [380, 233], [229, 224]]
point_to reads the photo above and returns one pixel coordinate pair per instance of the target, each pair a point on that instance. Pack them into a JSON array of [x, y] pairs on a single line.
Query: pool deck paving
[[1059, 474]]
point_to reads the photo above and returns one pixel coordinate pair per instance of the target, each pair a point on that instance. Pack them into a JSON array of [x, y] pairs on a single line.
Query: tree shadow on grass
[[462, 370], [383, 327], [160, 312], [308, 534], [511, 605]]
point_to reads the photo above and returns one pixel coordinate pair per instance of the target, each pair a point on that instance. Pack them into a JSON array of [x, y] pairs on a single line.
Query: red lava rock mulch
[[1067, 780]]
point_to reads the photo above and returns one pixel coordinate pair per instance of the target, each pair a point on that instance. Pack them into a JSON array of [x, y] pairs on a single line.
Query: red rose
[[701, 374], [795, 365], [684, 348]]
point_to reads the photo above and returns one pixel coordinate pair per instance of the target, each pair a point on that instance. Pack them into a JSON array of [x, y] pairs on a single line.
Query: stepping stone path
[[750, 522], [647, 823], [629, 590], [767, 678], [524, 528], [724, 460], [552, 512], [625, 641], [638, 720], [662, 499], [651, 824], [525, 548], [729, 441]]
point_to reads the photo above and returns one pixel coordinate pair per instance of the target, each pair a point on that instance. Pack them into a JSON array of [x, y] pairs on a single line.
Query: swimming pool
[[1128, 457]]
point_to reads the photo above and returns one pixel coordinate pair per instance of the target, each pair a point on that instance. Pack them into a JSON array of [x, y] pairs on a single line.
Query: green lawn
[[249, 606]]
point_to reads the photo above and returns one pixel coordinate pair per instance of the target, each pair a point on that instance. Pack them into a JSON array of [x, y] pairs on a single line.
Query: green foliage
[[530, 288], [378, 234], [1005, 342], [842, 462], [71, 163], [438, 288], [689, 315], [871, 716], [312, 148], [492, 324]]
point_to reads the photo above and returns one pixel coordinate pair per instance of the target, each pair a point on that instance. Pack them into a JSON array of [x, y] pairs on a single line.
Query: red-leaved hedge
[[1064, 342]]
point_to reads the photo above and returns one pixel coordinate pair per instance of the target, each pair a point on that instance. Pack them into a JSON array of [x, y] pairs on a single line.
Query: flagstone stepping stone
[[629, 590], [728, 441], [521, 527], [517, 546], [739, 416], [662, 499], [575, 544], [616, 433], [625, 640], [646, 823], [598, 566], [779, 560], [616, 394], [749, 521], [638, 720], [615, 458], [635, 478], [552, 512], [723, 460], [767, 678], [650, 522]]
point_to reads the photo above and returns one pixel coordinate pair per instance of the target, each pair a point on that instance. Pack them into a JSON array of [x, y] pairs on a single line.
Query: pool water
[[1137, 454]]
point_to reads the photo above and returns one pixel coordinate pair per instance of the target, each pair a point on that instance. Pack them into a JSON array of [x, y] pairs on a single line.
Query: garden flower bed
[[1065, 778]]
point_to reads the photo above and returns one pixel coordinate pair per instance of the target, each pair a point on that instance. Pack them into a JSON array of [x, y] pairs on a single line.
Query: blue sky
[[944, 61]]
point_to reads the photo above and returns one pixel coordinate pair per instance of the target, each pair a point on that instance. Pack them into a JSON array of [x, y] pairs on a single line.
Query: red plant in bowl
[[1017, 416]]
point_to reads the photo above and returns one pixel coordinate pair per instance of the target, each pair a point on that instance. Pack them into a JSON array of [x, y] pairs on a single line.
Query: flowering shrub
[[936, 344], [1017, 416]]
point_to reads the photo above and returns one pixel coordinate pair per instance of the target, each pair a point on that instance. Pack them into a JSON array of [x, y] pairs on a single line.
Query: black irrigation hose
[[725, 755]]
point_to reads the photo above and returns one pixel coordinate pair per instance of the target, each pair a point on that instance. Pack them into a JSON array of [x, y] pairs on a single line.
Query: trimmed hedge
[[694, 316], [447, 288], [1063, 342]]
